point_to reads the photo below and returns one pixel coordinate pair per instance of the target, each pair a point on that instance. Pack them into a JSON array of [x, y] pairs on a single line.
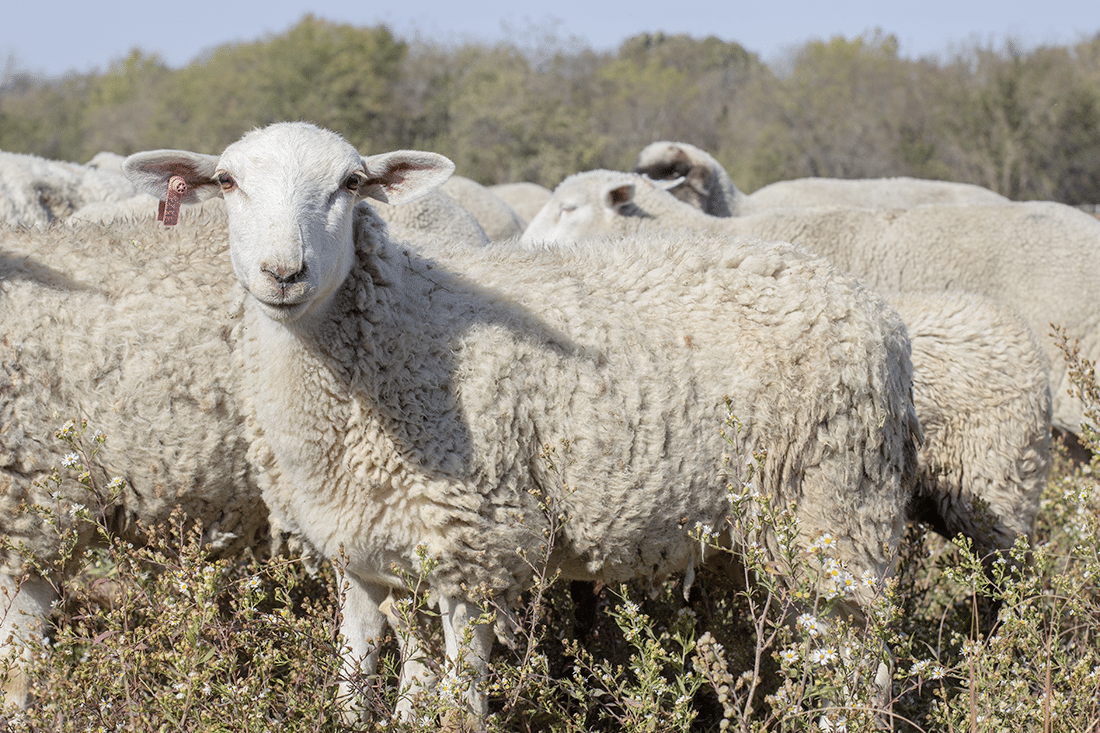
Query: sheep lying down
[[397, 399]]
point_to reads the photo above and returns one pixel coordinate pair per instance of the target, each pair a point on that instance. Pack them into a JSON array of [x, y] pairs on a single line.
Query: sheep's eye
[[353, 182], [226, 182]]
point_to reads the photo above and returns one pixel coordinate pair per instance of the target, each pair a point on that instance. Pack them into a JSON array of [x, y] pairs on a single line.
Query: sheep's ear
[[151, 170], [404, 175], [618, 197]]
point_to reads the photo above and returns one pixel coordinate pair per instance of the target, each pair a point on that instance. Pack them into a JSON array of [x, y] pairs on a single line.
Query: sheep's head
[[290, 190], [585, 205]]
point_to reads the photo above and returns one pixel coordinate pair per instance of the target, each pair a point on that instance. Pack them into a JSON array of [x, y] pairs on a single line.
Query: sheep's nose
[[283, 274]]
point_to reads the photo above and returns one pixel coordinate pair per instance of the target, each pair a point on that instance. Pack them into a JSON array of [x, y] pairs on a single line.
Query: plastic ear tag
[[169, 210]]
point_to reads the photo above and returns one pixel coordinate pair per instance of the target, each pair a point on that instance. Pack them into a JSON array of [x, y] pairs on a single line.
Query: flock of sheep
[[376, 379]]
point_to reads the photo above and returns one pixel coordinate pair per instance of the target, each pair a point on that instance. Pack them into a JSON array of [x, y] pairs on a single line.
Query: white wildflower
[[823, 655]]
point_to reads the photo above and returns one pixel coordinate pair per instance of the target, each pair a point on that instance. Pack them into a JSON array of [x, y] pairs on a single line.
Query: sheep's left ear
[[619, 196], [150, 171], [404, 175]]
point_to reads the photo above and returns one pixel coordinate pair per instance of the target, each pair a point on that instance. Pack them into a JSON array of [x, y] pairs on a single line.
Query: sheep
[[107, 161], [413, 397], [708, 187], [873, 193], [433, 216], [982, 395], [1039, 258], [497, 218], [36, 192], [130, 328], [981, 379], [525, 198], [700, 179]]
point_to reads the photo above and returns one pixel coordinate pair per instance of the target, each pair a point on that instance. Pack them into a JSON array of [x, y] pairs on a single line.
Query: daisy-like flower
[[937, 673], [823, 543], [790, 656], [808, 622], [920, 667], [70, 460], [823, 655]]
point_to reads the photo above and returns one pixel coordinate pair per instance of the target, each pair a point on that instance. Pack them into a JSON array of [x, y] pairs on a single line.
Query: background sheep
[[129, 327], [433, 216], [35, 191], [496, 217], [982, 394], [707, 186], [873, 193], [525, 198], [980, 376], [1040, 259], [412, 398]]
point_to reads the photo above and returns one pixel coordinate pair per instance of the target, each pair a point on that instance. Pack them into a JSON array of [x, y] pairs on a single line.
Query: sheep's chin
[[283, 312]]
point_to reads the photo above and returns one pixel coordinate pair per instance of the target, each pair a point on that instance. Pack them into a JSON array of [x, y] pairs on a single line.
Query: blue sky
[[52, 38]]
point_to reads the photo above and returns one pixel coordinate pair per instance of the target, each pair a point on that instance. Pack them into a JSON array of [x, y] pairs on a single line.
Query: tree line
[[1023, 122]]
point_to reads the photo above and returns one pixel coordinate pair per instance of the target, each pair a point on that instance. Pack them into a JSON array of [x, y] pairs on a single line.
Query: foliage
[[162, 637], [1025, 123]]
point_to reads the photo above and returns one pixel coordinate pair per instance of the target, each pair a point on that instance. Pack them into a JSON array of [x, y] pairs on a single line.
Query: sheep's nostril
[[284, 274]]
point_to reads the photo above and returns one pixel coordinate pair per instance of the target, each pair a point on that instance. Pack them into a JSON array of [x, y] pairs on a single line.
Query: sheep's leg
[[468, 644], [362, 628], [24, 608], [416, 675]]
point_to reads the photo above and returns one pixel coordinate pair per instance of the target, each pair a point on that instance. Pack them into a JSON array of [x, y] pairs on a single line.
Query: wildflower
[[790, 656], [831, 725], [68, 430], [823, 543], [76, 509], [937, 673], [810, 624], [70, 460], [920, 667], [823, 655], [846, 582], [117, 484]]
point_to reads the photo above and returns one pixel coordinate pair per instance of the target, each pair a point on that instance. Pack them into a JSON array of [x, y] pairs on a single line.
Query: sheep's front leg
[[468, 645], [362, 628], [24, 608]]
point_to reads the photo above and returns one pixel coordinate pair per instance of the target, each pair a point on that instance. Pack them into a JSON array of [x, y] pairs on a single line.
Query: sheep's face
[[290, 190], [583, 206]]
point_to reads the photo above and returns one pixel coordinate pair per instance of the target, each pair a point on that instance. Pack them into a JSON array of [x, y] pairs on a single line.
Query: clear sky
[[52, 38]]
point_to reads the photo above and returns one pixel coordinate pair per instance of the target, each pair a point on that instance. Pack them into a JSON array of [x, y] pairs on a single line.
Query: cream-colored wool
[[983, 398], [1041, 259], [497, 218], [525, 198], [412, 405], [36, 192], [872, 193], [980, 376], [435, 216], [131, 327]]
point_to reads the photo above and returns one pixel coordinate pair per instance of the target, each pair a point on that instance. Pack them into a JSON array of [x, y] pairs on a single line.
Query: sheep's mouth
[[283, 310]]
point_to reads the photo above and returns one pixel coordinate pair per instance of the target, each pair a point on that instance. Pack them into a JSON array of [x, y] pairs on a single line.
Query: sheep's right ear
[[151, 170], [618, 197], [405, 175]]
